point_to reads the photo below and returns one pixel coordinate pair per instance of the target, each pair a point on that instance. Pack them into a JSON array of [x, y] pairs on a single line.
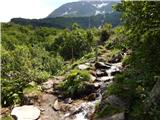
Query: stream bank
[[53, 106]]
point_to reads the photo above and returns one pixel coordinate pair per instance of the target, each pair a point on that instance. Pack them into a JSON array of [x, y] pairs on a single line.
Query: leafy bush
[[33, 89], [73, 44], [25, 59], [74, 83], [11, 91]]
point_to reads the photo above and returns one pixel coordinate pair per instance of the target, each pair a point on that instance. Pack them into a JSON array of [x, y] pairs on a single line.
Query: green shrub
[[24, 59], [74, 83], [33, 89], [8, 117], [11, 91], [73, 44]]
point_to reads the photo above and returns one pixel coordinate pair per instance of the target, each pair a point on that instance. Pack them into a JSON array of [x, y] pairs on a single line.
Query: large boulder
[[90, 88], [101, 65], [26, 112], [51, 83], [116, 58], [92, 96]]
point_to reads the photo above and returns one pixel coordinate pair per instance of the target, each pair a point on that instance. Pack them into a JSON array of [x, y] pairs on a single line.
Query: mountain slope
[[66, 22], [83, 8]]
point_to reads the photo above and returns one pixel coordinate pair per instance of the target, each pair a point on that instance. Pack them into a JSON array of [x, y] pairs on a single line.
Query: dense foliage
[[74, 83], [25, 58], [139, 33], [34, 54], [73, 44]]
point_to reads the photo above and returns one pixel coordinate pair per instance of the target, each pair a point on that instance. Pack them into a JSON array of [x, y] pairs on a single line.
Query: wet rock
[[97, 84], [116, 58], [83, 67], [51, 83], [91, 97], [105, 78], [88, 63], [90, 87], [93, 73], [101, 73], [48, 85], [26, 112], [101, 65], [68, 101], [56, 105], [93, 78]]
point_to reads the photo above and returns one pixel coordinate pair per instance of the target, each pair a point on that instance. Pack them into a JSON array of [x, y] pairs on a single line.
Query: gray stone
[[93, 78], [56, 105], [68, 101], [105, 78], [116, 58], [101, 65], [101, 73], [91, 97], [83, 67], [26, 112], [48, 84]]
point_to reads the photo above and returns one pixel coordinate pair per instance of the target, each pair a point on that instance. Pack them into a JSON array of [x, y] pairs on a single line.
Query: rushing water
[[88, 108]]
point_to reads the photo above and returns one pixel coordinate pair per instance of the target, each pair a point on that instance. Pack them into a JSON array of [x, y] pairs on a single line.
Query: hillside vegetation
[[66, 22], [35, 54], [30, 55]]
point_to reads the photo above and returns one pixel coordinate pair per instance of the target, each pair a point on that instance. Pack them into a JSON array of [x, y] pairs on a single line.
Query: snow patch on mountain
[[100, 5], [98, 12], [65, 13]]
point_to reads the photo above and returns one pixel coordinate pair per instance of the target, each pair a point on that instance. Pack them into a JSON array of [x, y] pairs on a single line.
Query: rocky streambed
[[52, 107]]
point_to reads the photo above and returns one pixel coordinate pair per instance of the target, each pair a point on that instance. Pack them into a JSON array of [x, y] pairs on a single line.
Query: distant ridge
[[83, 8]]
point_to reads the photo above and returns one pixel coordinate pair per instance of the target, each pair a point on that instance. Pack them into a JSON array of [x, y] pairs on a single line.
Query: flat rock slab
[[105, 78], [26, 112], [83, 67]]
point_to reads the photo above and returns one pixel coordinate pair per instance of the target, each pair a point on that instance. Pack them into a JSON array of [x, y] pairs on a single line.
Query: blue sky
[[28, 8]]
